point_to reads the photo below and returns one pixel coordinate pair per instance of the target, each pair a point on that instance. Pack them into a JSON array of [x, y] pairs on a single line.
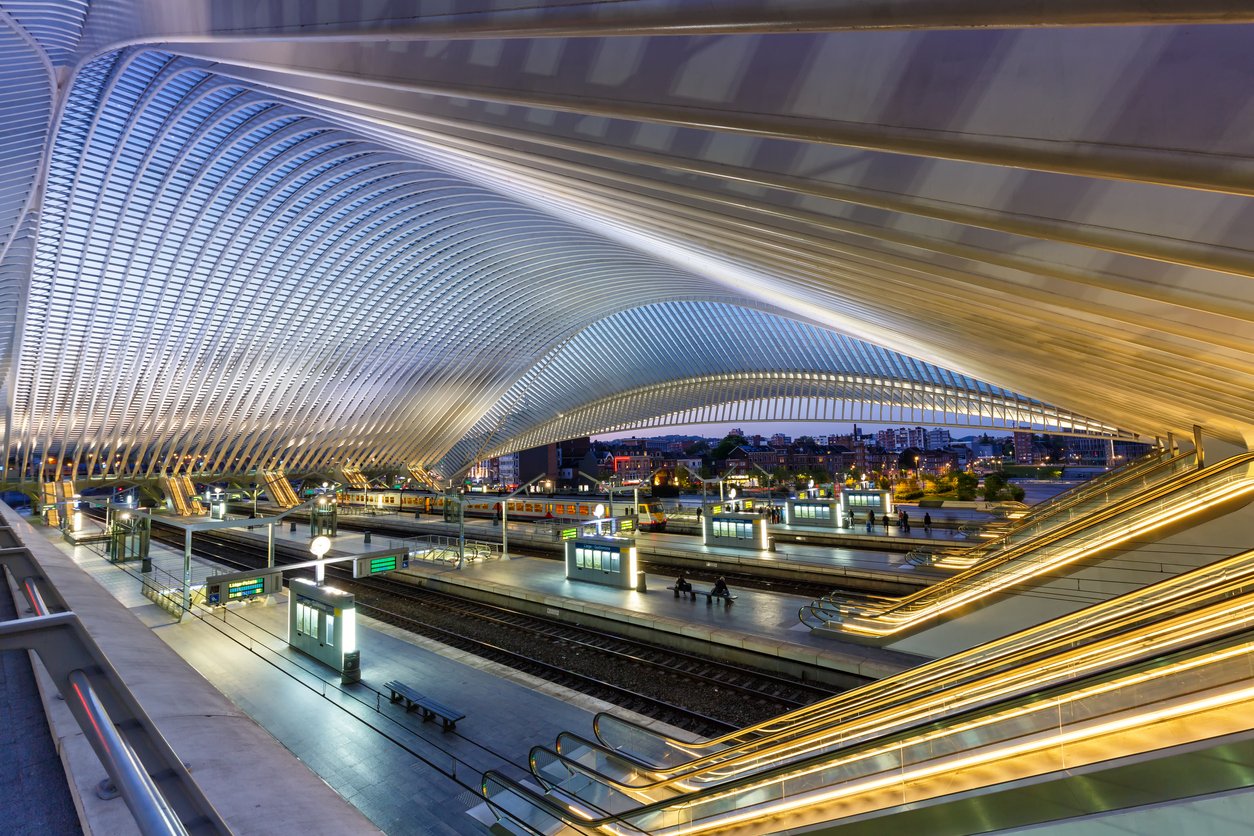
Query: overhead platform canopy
[[238, 235]]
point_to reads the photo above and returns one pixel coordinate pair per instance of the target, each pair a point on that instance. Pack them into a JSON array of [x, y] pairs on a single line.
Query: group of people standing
[[903, 522]]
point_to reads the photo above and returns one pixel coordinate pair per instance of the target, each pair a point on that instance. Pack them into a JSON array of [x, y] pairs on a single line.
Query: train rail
[[687, 690], [780, 582]]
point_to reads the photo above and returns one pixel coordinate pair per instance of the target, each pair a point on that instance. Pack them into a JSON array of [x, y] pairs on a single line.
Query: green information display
[[245, 588], [569, 533], [383, 564]]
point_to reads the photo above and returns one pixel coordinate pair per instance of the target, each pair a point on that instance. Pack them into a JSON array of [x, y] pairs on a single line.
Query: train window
[[583, 510], [570, 509]]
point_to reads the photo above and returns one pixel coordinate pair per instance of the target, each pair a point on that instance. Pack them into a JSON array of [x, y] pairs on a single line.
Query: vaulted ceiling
[[237, 234]]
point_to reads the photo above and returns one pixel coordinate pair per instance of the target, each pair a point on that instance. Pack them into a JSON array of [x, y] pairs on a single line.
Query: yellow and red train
[[649, 514]]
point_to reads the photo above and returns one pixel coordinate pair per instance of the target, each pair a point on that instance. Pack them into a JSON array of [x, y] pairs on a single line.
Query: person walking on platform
[[496, 514], [927, 524], [870, 521], [886, 523], [905, 521]]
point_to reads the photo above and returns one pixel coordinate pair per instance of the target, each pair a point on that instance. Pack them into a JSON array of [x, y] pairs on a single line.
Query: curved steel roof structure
[[237, 234]]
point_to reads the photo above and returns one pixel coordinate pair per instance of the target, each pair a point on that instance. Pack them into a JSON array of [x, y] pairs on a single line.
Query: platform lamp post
[[319, 547], [609, 486], [703, 481], [636, 489], [505, 514]]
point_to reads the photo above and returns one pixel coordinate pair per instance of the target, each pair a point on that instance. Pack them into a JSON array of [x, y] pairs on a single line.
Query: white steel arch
[[222, 249]]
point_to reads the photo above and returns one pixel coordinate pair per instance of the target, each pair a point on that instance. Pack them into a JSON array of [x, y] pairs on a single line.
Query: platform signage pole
[[187, 573], [269, 545], [461, 532], [505, 515]]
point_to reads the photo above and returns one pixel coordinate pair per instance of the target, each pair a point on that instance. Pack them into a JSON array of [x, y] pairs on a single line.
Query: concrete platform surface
[[256, 785]]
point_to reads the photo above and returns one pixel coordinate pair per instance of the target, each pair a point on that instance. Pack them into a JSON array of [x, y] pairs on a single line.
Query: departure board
[[245, 588], [383, 564]]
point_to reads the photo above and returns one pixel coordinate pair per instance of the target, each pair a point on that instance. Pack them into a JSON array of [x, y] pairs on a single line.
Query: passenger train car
[[648, 513]]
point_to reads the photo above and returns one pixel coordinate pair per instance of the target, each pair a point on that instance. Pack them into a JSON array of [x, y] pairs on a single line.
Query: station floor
[[763, 621], [864, 557], [404, 775], [411, 777]]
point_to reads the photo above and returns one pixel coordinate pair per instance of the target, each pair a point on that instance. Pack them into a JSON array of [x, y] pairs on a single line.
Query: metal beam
[[734, 17]]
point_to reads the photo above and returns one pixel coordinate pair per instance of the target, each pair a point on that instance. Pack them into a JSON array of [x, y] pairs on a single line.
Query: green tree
[[966, 485], [724, 447], [993, 485]]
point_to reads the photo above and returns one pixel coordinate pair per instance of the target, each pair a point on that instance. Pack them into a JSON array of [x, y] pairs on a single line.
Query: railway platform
[[256, 786], [402, 775], [358, 742], [761, 628], [798, 551]]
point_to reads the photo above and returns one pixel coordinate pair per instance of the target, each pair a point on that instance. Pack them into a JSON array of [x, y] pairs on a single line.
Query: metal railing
[[1193, 492], [1165, 672], [1083, 499], [149, 775], [930, 682]]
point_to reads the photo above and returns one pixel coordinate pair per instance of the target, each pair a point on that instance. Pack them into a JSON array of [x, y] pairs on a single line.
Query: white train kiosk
[[607, 560], [816, 513], [856, 504], [736, 524], [322, 623]]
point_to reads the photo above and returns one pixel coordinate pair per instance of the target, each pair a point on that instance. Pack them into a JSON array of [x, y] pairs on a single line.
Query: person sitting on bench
[[720, 588], [682, 587]]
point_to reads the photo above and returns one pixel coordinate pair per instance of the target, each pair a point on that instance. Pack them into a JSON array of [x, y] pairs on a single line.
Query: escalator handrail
[[959, 581], [900, 736], [1039, 638]]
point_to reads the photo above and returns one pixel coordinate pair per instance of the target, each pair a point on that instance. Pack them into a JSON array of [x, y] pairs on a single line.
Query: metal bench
[[430, 708], [710, 597]]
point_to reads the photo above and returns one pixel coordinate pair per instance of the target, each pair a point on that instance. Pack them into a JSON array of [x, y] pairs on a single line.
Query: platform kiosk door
[[323, 518]]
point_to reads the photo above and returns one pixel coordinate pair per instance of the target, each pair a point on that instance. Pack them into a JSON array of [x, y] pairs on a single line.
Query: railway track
[[779, 583], [686, 690]]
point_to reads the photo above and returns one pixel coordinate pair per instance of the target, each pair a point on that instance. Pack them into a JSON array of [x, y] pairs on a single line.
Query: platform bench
[[710, 598], [430, 708]]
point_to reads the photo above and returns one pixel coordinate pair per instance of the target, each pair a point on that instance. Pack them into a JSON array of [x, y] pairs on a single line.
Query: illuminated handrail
[[1196, 492], [1151, 461], [1058, 727], [1206, 584], [1090, 496], [1121, 645]]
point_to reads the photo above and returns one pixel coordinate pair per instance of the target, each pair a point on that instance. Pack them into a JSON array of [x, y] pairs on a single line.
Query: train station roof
[[238, 234]]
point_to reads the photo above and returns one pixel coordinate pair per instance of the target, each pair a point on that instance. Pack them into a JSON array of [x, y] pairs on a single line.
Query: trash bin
[[293, 528], [366, 538], [352, 668], [640, 584]]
